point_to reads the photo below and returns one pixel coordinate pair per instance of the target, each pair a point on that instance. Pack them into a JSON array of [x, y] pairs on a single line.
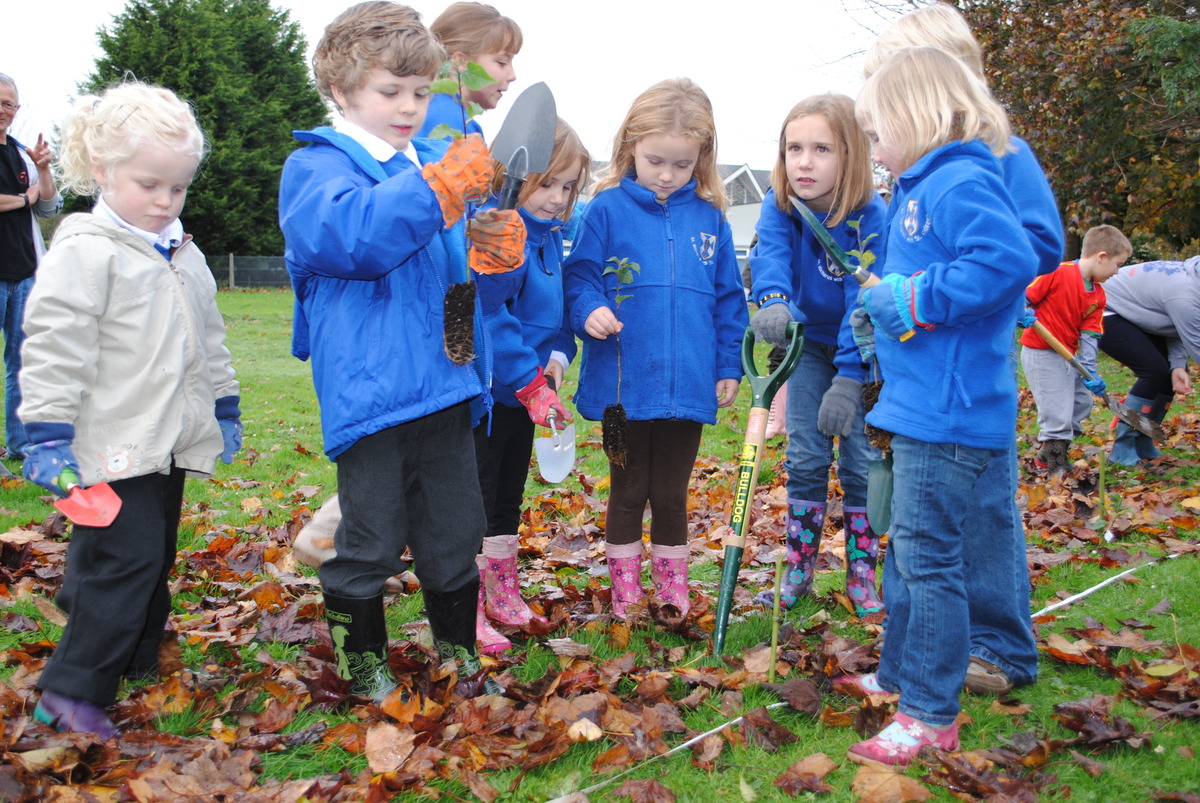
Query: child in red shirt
[[1070, 303]]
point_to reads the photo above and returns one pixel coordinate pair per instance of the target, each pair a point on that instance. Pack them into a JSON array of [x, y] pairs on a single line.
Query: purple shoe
[[71, 714]]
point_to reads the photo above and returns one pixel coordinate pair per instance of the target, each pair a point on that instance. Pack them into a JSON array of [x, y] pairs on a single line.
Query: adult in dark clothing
[[26, 187]]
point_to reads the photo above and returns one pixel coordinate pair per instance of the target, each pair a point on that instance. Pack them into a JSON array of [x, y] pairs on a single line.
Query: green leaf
[[608, 270], [443, 130], [622, 298], [444, 86], [473, 109], [475, 77]]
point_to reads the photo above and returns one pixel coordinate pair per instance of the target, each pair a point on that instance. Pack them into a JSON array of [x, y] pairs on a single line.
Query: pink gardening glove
[[541, 400]]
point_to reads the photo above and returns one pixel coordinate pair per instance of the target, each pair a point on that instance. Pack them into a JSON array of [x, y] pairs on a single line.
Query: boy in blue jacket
[[371, 220]]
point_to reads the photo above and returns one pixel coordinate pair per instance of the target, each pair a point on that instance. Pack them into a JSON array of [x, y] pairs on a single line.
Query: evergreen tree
[[242, 64]]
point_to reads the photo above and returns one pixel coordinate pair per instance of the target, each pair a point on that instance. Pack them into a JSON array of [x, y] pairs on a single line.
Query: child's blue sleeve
[[1026, 182], [772, 272], [584, 284], [338, 222], [732, 317], [514, 363]]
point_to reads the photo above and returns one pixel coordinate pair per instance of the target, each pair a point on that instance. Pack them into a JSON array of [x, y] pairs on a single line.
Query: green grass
[[282, 472]]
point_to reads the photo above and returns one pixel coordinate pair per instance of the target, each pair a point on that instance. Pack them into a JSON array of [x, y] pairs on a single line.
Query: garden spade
[[96, 506], [525, 141], [555, 454], [763, 390], [1143, 424]]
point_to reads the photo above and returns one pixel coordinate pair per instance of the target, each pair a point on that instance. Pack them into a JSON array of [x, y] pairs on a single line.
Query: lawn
[[249, 708]]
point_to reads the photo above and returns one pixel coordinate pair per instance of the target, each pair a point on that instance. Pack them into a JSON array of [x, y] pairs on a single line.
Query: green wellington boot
[[359, 635], [452, 620]]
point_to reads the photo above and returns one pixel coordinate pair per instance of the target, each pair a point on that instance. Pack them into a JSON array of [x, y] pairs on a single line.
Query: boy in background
[[1070, 303]]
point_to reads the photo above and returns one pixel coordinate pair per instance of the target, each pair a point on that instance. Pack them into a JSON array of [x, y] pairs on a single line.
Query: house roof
[[744, 184]]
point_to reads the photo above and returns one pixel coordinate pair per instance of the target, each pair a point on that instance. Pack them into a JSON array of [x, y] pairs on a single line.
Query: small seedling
[[458, 307], [865, 257], [615, 423]]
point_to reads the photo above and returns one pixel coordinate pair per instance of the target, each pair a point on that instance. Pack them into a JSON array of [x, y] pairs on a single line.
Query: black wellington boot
[[359, 635], [452, 620]]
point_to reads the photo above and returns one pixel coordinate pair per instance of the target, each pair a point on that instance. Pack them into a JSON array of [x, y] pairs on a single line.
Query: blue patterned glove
[[52, 465], [229, 417], [1096, 385], [770, 324], [864, 333], [892, 305], [1028, 318]]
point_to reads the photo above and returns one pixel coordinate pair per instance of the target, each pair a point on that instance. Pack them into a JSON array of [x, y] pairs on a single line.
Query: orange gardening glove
[[497, 241], [463, 174]]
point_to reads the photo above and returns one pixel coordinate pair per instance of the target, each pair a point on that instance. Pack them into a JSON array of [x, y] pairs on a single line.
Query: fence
[[250, 272]]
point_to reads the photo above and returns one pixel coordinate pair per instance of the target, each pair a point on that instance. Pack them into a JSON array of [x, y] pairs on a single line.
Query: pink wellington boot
[[625, 571], [777, 414], [490, 639], [669, 570], [499, 575]]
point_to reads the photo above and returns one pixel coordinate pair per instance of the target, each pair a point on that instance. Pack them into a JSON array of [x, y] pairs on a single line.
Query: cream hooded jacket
[[127, 348]]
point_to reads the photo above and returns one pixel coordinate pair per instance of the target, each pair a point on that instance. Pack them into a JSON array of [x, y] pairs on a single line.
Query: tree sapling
[[458, 308], [615, 424]]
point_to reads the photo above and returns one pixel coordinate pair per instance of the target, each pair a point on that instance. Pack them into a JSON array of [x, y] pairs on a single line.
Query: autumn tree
[[1104, 92], [1107, 92], [242, 64]]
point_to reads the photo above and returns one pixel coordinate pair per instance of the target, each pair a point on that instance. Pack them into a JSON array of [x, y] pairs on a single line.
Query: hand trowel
[[555, 454], [96, 506]]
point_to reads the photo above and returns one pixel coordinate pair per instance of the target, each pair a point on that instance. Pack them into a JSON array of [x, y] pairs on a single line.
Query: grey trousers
[[1062, 400], [414, 485]]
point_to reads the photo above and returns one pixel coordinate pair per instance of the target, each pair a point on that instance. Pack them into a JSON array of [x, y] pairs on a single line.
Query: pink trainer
[[900, 742]]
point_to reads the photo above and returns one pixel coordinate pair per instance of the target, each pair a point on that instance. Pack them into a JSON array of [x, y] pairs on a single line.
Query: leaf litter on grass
[[622, 687]]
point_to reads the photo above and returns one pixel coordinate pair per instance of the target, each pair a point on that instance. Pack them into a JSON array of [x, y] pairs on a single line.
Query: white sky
[[754, 58]]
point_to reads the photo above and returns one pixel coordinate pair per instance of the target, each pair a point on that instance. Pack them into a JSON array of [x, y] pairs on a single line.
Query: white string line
[[1089, 591], [674, 749]]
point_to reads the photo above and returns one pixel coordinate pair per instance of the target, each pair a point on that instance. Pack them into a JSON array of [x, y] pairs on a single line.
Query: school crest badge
[[708, 246], [910, 218]]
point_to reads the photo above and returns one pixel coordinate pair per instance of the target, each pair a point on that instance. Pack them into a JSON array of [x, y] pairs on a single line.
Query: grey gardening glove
[[839, 406], [770, 324]]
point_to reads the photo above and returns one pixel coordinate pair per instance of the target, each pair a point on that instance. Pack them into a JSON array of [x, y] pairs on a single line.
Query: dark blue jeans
[[956, 579], [13, 296]]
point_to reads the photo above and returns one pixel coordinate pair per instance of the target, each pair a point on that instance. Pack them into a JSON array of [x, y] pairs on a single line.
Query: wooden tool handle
[[1052, 341]]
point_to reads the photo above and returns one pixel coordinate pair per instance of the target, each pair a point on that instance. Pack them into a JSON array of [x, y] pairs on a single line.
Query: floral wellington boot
[[804, 524], [862, 556], [625, 571], [669, 570], [499, 576], [490, 639]]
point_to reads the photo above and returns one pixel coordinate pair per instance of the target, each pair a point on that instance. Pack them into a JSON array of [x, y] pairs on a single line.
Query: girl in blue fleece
[[661, 205], [532, 345], [998, 662], [825, 161], [473, 32], [954, 276]]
